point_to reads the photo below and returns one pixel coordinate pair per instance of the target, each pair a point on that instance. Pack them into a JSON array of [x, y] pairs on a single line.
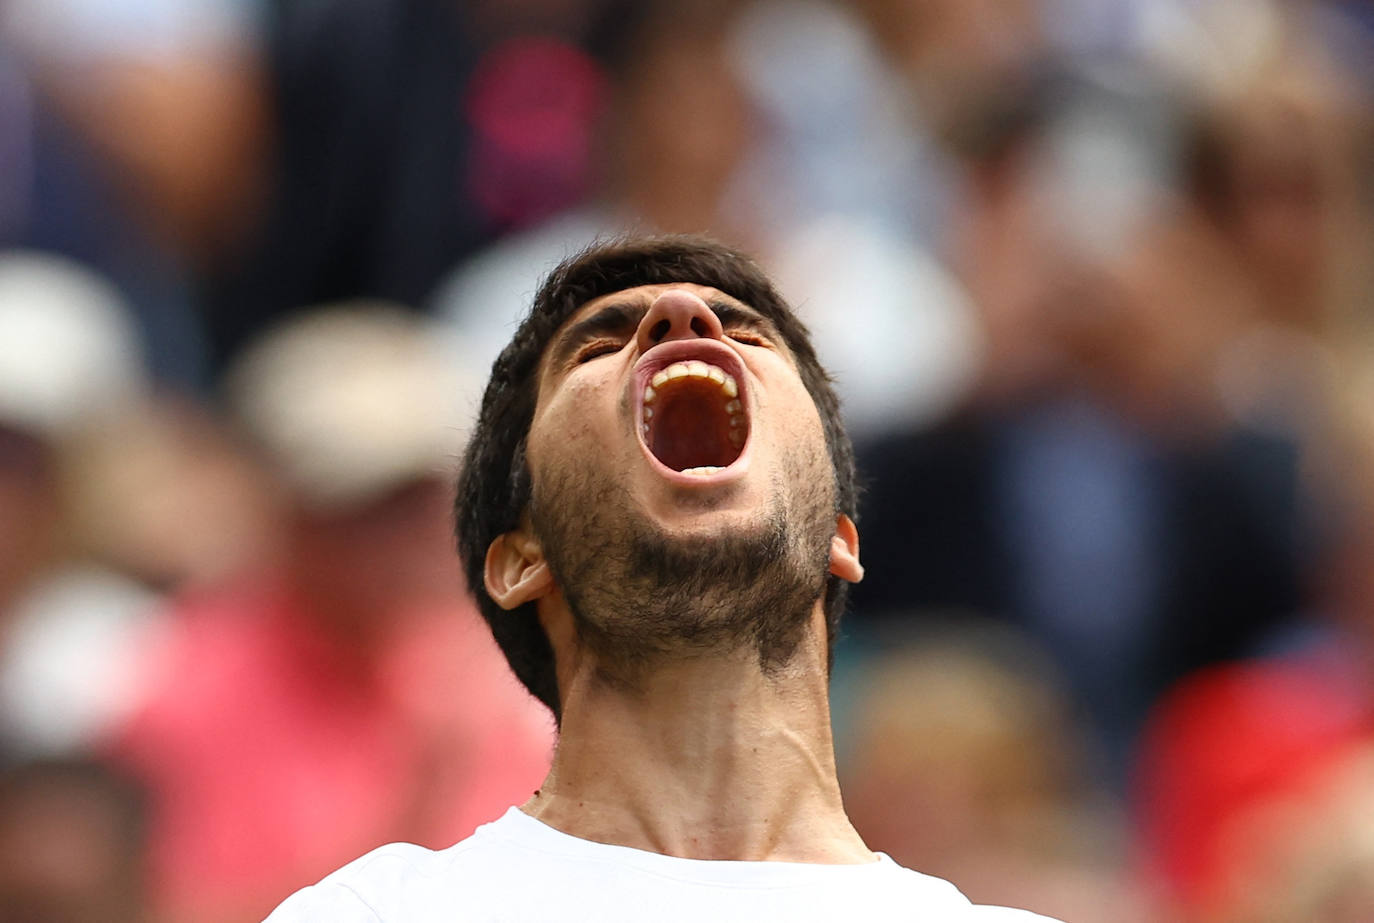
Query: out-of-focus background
[[1096, 281]]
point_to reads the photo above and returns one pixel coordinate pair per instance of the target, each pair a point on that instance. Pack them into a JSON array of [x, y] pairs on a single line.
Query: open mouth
[[694, 420]]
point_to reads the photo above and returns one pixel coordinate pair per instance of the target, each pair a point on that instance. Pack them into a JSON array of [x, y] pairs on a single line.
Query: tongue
[[691, 429]]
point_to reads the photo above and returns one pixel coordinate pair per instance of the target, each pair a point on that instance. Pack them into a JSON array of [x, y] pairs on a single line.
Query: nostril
[[660, 330], [700, 327]]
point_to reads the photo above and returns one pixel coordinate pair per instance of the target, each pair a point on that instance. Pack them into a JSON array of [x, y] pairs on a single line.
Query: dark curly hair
[[494, 486]]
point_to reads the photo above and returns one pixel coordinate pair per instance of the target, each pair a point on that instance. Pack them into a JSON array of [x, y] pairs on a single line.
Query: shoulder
[[405, 882], [322, 902], [946, 898], [359, 891]]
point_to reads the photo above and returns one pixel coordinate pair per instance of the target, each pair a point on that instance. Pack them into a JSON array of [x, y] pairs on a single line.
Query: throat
[[711, 761]]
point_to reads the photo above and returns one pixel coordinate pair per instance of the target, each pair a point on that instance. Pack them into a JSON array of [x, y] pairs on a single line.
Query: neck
[[708, 758]]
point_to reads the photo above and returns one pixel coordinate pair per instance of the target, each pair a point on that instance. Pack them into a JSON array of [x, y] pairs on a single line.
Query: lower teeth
[[703, 469]]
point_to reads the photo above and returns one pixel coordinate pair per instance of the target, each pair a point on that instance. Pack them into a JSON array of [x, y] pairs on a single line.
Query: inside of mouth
[[691, 428]]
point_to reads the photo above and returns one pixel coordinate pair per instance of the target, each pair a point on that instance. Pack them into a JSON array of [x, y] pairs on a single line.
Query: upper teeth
[[695, 368]]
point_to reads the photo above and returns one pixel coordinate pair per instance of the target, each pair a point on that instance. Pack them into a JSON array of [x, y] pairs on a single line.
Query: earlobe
[[844, 551], [516, 572]]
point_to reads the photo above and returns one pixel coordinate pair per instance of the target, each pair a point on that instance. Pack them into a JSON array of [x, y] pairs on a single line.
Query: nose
[[677, 315]]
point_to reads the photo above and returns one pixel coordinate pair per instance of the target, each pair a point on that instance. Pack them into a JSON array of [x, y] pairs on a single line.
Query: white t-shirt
[[520, 870]]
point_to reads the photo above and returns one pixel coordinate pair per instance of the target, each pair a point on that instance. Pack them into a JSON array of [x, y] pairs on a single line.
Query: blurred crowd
[[1096, 282]]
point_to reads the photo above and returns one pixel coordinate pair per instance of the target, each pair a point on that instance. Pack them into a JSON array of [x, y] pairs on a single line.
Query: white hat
[[68, 345], [353, 400]]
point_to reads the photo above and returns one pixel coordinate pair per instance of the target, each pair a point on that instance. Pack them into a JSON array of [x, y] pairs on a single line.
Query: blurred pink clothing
[[1226, 741], [275, 753]]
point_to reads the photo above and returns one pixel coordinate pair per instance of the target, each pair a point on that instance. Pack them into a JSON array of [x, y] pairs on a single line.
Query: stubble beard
[[640, 597]]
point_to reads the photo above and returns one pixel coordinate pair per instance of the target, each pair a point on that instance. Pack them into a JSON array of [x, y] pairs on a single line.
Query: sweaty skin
[[701, 748]]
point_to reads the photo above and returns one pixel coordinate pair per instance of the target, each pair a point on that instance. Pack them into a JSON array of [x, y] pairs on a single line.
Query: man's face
[[683, 494]]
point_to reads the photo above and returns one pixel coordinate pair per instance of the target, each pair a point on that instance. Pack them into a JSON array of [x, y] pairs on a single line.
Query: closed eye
[[597, 348], [744, 325], [747, 337]]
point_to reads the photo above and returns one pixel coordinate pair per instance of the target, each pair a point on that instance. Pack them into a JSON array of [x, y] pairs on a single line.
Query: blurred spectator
[[926, 358], [70, 628], [186, 76], [405, 134], [1278, 168], [1085, 492], [960, 754], [72, 844], [1308, 857], [952, 54], [166, 494], [132, 136], [1251, 776], [673, 132], [350, 696], [849, 192], [836, 134], [1224, 751]]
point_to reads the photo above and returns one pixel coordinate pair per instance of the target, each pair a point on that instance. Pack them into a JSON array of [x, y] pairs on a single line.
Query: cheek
[[795, 417], [799, 438], [585, 416]]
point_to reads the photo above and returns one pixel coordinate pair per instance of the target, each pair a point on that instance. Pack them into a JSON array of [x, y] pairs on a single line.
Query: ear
[[844, 551], [516, 572]]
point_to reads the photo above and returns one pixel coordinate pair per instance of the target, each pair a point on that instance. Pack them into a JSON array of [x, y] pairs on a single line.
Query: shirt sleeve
[[327, 902]]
